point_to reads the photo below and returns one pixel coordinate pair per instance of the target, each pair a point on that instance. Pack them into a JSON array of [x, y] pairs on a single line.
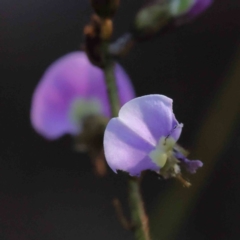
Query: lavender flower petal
[[69, 83], [126, 150], [151, 116]]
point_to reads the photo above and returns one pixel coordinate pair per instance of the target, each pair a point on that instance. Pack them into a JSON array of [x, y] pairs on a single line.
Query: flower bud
[[96, 32], [151, 19], [162, 15], [105, 8]]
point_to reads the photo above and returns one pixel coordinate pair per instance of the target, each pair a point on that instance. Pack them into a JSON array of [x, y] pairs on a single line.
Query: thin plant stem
[[138, 214], [111, 88]]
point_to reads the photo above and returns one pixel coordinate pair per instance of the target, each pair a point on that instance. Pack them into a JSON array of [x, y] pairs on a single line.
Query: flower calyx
[[90, 140], [170, 157]]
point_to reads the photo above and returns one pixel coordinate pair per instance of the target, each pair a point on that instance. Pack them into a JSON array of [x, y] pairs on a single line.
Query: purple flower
[[144, 136], [186, 10], [71, 89]]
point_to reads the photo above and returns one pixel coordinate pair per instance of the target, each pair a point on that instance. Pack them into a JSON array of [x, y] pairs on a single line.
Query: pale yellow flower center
[[162, 151], [81, 108]]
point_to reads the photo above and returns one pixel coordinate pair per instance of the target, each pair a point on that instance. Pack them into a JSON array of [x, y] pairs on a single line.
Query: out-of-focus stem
[[111, 87], [138, 214], [121, 217]]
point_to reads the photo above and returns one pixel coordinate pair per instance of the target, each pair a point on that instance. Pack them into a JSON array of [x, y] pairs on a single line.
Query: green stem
[[111, 88], [139, 217]]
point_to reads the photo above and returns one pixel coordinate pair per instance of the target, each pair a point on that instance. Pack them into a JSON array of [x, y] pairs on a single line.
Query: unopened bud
[[162, 15], [151, 19], [106, 29], [105, 8], [96, 32]]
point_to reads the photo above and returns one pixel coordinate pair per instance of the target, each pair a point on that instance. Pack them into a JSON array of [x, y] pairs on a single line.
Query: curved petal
[[70, 80], [63, 81], [125, 150], [151, 117]]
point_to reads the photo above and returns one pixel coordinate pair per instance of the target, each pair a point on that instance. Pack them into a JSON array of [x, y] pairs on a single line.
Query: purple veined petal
[[151, 117], [190, 165], [176, 130], [70, 79], [125, 150], [54, 93]]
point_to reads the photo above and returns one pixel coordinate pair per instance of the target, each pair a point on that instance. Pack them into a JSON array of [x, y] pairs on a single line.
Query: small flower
[[144, 136], [186, 10], [70, 90]]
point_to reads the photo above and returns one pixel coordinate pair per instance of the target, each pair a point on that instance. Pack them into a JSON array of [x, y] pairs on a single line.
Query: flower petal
[[54, 94], [151, 117], [125, 150], [190, 165], [69, 80]]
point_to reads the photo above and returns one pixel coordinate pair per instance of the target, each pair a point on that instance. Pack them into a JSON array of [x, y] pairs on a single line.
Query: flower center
[[162, 151], [81, 108]]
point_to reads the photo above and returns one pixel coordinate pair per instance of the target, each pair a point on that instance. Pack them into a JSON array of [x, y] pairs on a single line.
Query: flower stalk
[[138, 214], [97, 48], [111, 83]]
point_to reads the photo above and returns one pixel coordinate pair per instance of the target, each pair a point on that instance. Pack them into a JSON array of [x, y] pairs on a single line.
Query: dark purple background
[[49, 192]]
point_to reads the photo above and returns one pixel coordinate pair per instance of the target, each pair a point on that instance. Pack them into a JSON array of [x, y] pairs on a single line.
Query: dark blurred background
[[49, 192]]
